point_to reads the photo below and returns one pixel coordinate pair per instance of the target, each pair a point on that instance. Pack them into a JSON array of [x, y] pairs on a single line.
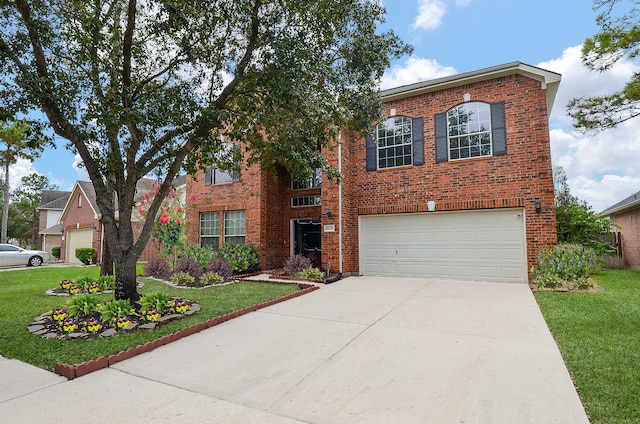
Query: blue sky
[[453, 36]]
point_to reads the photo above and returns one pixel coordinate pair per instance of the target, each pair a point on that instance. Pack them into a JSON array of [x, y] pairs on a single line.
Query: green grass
[[22, 298], [599, 336]]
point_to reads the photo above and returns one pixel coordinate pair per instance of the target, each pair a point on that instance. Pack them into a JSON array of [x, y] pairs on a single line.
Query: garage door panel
[[468, 245]]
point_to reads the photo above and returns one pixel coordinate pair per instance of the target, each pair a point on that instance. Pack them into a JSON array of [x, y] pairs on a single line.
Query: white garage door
[[474, 245], [75, 239]]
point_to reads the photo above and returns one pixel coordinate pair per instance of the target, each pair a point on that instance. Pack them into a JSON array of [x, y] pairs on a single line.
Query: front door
[[307, 240]]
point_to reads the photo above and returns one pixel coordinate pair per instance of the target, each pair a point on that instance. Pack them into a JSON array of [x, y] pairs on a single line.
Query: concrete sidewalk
[[361, 350]]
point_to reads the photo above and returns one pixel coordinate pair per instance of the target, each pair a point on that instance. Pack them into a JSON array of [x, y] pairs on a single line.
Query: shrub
[[183, 279], [190, 267], [566, 261], [157, 300], [106, 282], [211, 278], [55, 252], [310, 274], [221, 267], [111, 311], [157, 268], [201, 255], [86, 255], [296, 264], [84, 304], [242, 258]]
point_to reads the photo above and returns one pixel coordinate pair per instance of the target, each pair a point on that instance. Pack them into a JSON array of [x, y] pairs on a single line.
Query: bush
[[157, 268], [566, 261], [86, 255], [296, 264], [190, 267], [55, 252], [201, 255], [211, 278], [221, 267], [243, 258], [310, 274], [183, 279]]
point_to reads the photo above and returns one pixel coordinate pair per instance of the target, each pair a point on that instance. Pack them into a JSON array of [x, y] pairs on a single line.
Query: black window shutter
[[207, 175], [417, 144], [372, 153], [442, 145], [498, 129]]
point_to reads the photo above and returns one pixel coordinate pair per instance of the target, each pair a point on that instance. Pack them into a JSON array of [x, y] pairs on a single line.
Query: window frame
[[215, 233], [387, 134], [213, 175], [470, 135], [235, 237], [306, 201]]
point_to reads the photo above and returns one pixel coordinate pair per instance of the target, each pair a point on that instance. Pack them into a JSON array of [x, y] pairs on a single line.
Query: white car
[[14, 255]]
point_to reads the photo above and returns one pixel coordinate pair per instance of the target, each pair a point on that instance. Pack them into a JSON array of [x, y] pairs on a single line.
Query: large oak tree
[[148, 87]]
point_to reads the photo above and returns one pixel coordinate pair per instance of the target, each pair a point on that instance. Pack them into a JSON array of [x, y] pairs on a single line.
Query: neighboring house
[[625, 215], [456, 184], [81, 226], [52, 203]]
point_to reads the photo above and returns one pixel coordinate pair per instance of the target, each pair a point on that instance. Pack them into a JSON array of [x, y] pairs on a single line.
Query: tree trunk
[[106, 265], [35, 223], [5, 205], [126, 284]]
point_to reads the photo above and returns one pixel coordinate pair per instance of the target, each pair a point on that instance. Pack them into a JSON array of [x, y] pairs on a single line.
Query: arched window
[[469, 131]]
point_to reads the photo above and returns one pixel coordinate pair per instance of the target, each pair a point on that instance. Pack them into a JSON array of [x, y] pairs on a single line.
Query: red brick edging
[[78, 370]]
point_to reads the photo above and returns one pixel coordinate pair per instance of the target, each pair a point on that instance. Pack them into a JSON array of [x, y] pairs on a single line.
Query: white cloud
[[430, 14], [21, 168], [414, 70], [601, 169], [78, 166]]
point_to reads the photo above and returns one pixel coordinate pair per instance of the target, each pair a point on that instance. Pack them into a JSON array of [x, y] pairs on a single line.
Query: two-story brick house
[[456, 183]]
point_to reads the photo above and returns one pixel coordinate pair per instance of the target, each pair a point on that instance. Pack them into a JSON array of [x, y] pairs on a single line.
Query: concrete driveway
[[361, 350]]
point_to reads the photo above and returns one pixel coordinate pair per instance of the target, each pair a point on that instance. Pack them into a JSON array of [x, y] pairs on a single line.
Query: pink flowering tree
[[168, 228]]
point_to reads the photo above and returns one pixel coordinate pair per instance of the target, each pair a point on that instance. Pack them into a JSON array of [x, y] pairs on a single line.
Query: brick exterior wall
[[508, 181], [78, 216], [629, 226]]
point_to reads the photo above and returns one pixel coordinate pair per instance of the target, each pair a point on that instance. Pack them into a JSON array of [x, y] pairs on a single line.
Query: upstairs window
[[394, 142], [212, 175], [470, 130], [314, 182], [399, 141]]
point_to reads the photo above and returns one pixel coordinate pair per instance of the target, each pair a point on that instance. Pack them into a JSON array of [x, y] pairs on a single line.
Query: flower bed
[[84, 317]]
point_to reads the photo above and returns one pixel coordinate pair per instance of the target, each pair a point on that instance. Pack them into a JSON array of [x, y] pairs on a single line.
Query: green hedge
[[86, 255]]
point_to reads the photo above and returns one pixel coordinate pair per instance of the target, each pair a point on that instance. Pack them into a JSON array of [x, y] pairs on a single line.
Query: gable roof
[[548, 80], [53, 199], [631, 202], [86, 190]]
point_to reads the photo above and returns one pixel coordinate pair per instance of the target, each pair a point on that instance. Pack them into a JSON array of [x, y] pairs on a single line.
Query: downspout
[[340, 203]]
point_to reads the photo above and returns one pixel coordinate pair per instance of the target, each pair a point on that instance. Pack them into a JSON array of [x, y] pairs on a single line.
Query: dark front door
[[308, 240]]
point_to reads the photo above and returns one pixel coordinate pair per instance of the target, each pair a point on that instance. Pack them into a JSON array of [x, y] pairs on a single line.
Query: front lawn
[[599, 336], [22, 298]]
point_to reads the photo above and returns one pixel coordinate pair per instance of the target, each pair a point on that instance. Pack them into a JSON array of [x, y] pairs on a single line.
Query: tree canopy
[[18, 140], [151, 87], [576, 222], [618, 38]]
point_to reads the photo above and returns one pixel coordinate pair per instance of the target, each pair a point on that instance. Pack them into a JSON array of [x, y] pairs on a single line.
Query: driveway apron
[[361, 350]]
